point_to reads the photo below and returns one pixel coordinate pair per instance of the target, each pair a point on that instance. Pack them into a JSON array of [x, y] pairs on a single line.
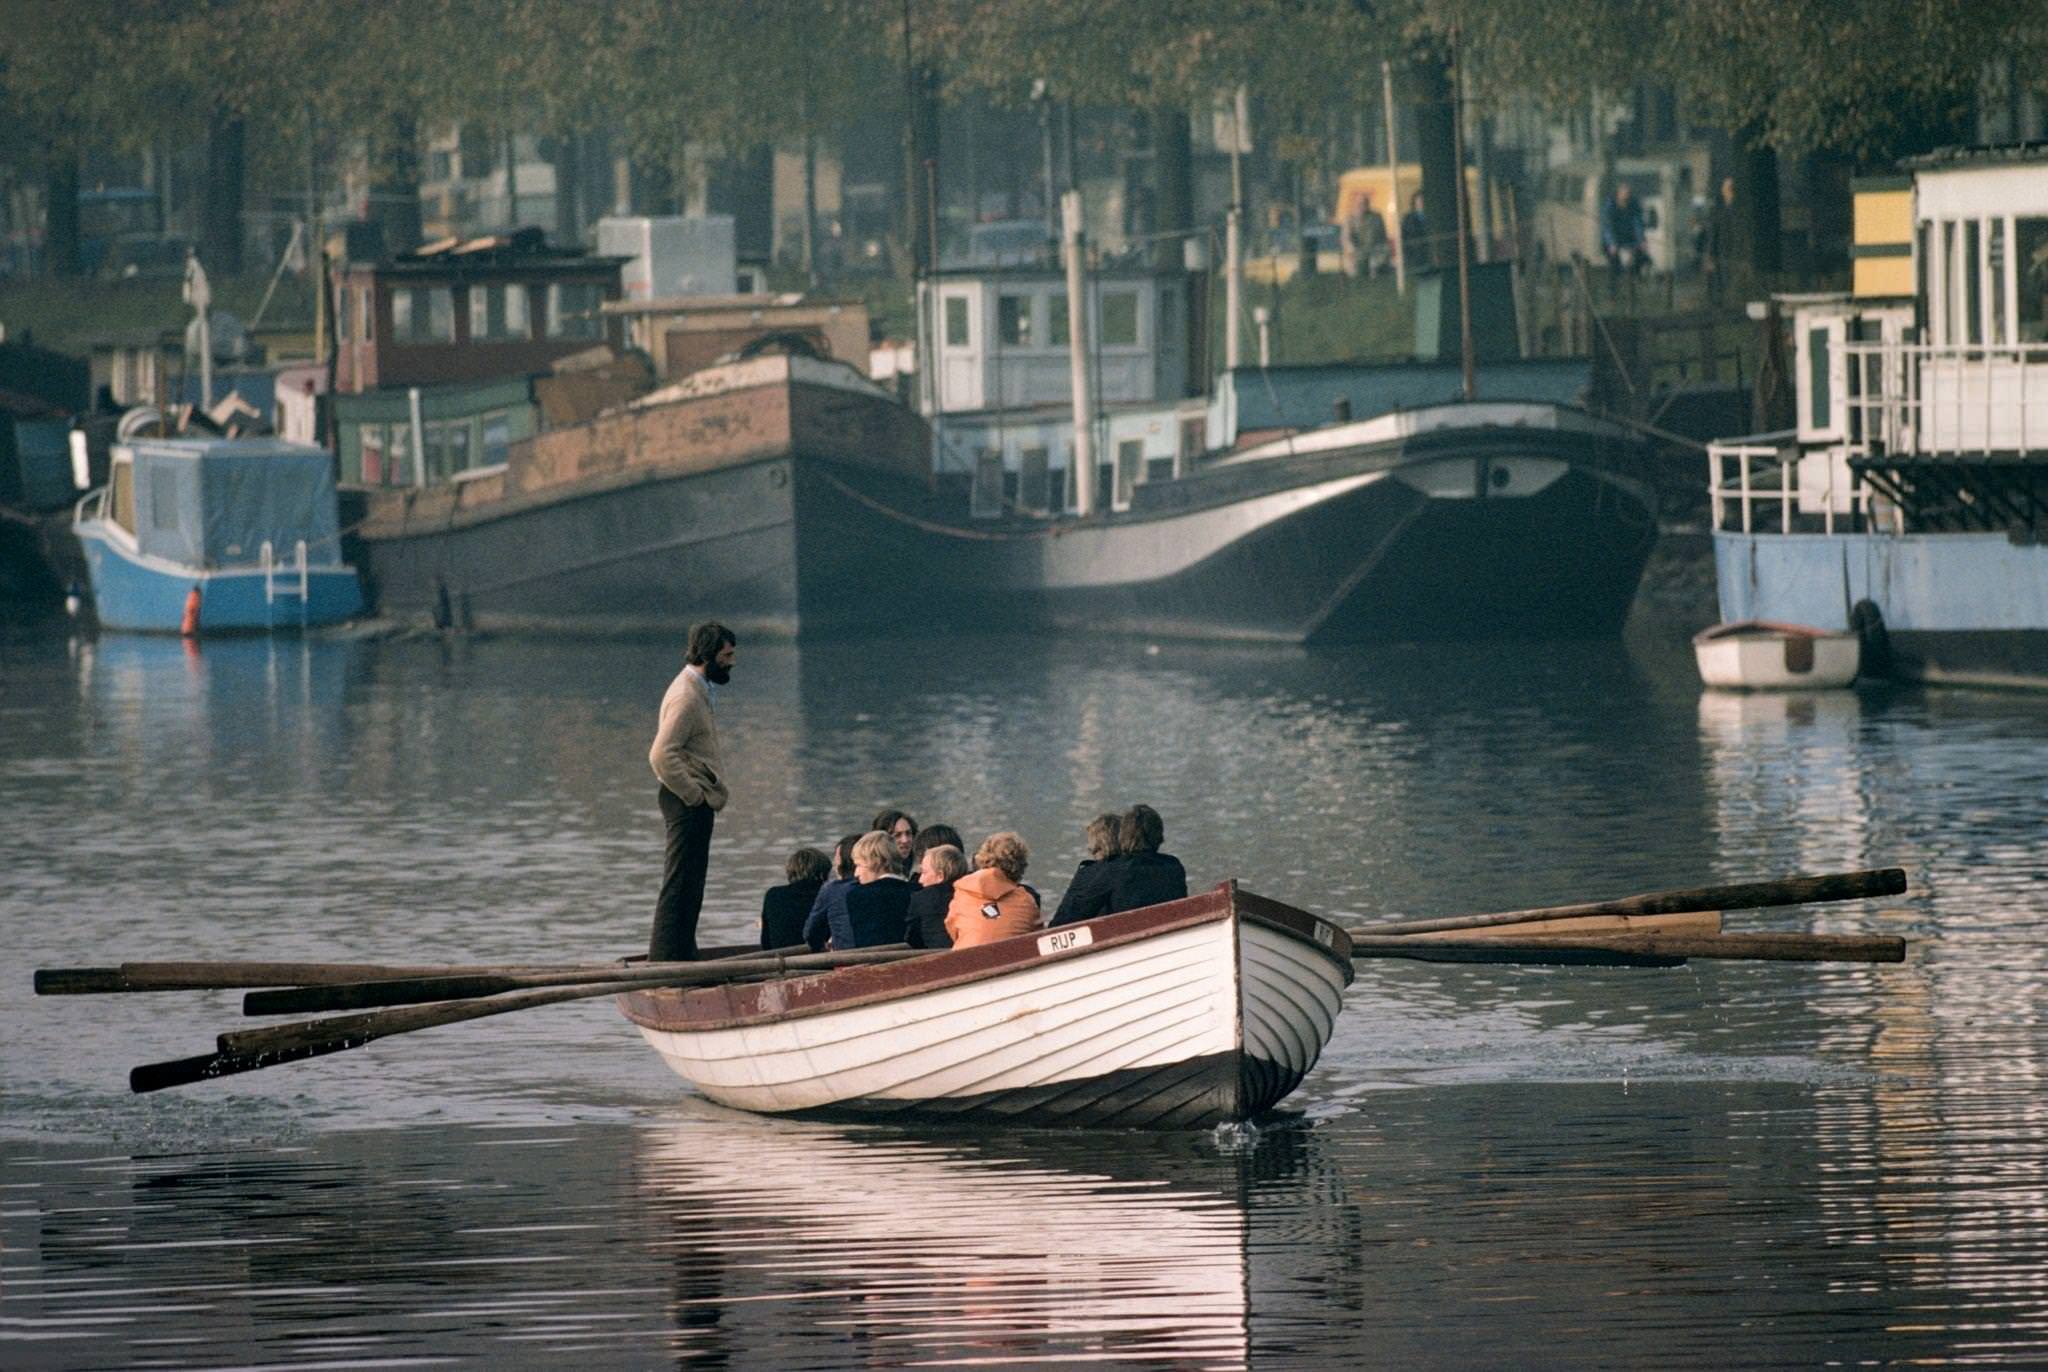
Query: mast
[[1464, 234], [1083, 460], [1233, 239], [1394, 178]]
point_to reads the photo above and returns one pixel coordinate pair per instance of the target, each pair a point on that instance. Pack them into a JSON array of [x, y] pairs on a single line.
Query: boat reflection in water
[[957, 1247]]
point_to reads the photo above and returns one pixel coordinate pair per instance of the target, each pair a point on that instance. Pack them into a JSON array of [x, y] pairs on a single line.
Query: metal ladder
[[279, 582]]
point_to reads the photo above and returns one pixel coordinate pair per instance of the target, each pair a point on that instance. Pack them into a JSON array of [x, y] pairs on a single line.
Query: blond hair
[[1005, 852], [949, 862], [877, 850]]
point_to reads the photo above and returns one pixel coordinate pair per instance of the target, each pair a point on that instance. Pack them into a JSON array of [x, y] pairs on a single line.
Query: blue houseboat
[[250, 524], [1910, 502]]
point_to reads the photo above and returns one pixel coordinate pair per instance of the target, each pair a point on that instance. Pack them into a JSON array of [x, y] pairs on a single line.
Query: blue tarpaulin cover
[[213, 502]]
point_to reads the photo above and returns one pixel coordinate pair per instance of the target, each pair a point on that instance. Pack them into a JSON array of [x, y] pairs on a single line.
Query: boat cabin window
[[1923, 265], [956, 321], [121, 507], [499, 313], [1013, 321], [1056, 326], [1034, 484], [163, 500], [1820, 402], [2030, 265], [447, 448], [1971, 297], [1995, 279], [572, 310], [423, 314], [497, 438], [1119, 319], [370, 468], [1951, 308], [1130, 469], [398, 457]]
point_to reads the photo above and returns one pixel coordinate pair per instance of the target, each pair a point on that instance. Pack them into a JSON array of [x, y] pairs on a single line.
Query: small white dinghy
[[1759, 655], [1180, 1015]]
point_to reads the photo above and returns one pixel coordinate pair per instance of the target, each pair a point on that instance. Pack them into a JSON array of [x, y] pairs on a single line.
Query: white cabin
[[1937, 355], [996, 339]]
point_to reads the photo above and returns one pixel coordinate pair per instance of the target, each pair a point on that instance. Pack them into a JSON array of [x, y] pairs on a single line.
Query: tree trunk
[[1175, 165], [395, 187], [60, 216], [1756, 204], [1435, 130], [568, 188], [920, 168], [812, 257], [753, 202], [220, 239]]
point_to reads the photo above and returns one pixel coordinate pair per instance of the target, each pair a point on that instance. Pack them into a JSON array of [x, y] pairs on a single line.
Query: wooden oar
[[236, 976], [1661, 949], [350, 1031], [364, 995], [250, 1050], [1748, 895]]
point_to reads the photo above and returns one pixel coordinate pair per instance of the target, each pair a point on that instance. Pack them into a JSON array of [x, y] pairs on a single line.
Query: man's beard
[[717, 673]]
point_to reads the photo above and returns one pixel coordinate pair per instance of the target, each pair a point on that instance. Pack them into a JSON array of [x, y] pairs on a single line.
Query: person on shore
[[1088, 894], [924, 924], [1415, 253], [991, 903], [1622, 235], [1144, 875], [901, 829], [818, 923], [687, 763], [1720, 253], [785, 908], [872, 910]]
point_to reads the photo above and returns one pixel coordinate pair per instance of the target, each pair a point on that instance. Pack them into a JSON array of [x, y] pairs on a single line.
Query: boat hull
[[1179, 1016], [133, 591], [1954, 608], [1457, 532], [723, 496]]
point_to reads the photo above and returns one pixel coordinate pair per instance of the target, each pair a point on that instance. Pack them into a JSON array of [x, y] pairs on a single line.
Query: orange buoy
[[189, 625]]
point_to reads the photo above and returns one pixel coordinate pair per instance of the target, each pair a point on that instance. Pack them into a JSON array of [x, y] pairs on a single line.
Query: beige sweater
[[685, 752]]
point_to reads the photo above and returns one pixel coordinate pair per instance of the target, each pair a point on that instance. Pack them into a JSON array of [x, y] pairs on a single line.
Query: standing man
[[692, 776], [1720, 251], [1622, 236]]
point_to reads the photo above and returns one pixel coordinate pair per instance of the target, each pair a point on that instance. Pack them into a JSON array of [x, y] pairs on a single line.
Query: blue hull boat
[[249, 524]]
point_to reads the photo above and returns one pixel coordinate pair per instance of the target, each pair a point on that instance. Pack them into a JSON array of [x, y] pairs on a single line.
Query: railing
[[1767, 483], [1928, 400]]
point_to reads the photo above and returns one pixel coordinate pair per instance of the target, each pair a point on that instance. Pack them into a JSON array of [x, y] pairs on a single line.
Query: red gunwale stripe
[[731, 1007]]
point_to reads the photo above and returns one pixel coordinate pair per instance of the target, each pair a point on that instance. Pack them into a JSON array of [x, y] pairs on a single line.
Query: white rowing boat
[[1757, 655], [1179, 1015]]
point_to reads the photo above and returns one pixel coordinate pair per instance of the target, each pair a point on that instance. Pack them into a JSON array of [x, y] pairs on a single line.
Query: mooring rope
[[934, 527]]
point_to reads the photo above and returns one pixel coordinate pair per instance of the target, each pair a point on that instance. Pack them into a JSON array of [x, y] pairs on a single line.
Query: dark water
[[1724, 1165]]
